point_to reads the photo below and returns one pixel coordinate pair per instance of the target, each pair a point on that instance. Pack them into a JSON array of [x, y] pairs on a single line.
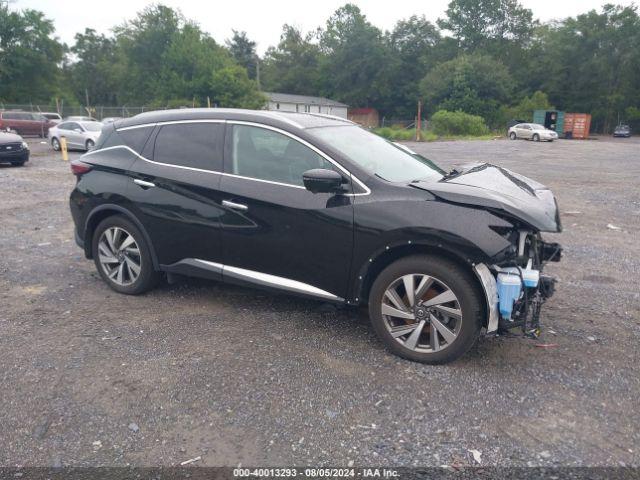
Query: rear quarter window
[[194, 145]]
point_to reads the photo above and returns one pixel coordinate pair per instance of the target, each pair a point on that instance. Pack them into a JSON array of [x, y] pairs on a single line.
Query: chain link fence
[[98, 112]]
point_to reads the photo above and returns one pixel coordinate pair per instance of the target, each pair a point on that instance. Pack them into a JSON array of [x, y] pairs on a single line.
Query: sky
[[263, 20]]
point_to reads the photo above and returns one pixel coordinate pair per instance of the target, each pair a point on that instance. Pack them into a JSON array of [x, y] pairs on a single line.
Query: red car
[[25, 123]]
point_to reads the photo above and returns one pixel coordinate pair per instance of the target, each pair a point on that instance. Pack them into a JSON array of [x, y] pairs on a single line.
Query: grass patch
[[409, 135]]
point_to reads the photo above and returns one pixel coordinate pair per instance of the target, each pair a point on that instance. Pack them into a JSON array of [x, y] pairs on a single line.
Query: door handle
[[143, 183], [235, 206]]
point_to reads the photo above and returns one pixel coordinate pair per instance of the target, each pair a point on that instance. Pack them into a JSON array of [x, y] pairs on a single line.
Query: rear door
[[174, 190], [274, 231]]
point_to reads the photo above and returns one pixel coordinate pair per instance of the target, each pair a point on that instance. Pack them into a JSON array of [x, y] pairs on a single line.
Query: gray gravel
[[240, 376]]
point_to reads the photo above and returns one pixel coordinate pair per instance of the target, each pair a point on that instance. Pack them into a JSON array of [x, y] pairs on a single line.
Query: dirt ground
[[240, 376]]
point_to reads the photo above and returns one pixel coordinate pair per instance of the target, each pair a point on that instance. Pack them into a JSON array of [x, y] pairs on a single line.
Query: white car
[[78, 135], [532, 131]]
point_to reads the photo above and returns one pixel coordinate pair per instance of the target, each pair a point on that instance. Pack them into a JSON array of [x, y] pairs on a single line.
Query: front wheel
[[122, 256], [55, 143], [426, 309], [89, 145], [536, 137], [513, 136]]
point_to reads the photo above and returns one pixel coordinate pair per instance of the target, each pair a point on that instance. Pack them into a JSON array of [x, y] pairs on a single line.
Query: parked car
[[79, 118], [317, 206], [622, 131], [13, 149], [79, 135], [532, 131], [53, 117], [106, 120], [24, 123]]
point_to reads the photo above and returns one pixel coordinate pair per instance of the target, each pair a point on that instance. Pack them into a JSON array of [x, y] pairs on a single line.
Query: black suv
[[317, 206]]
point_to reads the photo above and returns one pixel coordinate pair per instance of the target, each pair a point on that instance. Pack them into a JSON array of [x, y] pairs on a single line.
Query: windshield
[[537, 127], [376, 155], [92, 126]]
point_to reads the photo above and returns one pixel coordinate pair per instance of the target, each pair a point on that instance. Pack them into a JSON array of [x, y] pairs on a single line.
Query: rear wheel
[[536, 137], [513, 136], [427, 309], [90, 144], [18, 164], [123, 257], [55, 143]]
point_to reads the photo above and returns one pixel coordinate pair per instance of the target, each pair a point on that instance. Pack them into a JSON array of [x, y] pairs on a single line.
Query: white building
[[287, 102]]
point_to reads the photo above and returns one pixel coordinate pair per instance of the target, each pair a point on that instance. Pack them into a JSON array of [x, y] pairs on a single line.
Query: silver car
[[532, 131], [79, 135]]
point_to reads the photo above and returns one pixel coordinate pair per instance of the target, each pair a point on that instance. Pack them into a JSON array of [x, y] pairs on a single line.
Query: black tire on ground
[[55, 143], [89, 144], [18, 164], [536, 137], [463, 285], [513, 136], [148, 277]]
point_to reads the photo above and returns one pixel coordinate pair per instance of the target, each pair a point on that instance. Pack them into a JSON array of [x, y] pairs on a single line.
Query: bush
[[395, 134], [445, 123]]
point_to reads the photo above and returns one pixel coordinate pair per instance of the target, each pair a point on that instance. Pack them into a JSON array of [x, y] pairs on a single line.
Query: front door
[[174, 193], [275, 232]]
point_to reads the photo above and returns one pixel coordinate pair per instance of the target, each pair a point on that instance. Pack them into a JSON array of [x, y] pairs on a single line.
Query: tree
[[413, 45], [483, 23], [92, 74], [243, 51], [474, 84], [354, 65], [294, 65], [29, 56], [231, 87]]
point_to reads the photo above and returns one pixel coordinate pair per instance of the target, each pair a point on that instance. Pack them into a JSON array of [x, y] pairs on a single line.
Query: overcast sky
[[263, 20]]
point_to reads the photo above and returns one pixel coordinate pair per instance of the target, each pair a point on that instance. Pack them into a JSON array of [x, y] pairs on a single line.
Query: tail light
[[79, 168]]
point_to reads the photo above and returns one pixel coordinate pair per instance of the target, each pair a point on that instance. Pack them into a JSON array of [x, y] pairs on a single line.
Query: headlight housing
[[25, 145]]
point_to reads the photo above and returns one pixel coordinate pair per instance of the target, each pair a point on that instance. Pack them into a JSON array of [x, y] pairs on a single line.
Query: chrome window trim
[[355, 179]]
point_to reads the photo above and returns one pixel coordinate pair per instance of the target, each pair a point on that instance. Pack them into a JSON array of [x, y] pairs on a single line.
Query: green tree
[[474, 84], [294, 65], [482, 23], [354, 66], [232, 87], [29, 56], [92, 74], [413, 45], [243, 51]]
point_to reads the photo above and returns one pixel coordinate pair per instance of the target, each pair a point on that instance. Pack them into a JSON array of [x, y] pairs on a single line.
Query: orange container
[[577, 125]]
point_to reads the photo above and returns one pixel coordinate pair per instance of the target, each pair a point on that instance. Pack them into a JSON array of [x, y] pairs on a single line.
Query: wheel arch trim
[[88, 229]]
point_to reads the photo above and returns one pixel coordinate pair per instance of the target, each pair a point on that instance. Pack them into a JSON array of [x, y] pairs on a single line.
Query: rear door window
[[193, 145]]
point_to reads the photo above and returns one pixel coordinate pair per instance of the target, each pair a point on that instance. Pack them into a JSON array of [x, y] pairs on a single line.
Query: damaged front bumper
[[527, 305]]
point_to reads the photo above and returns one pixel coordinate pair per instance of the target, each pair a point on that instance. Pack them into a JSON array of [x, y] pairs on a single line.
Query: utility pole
[[419, 121], [258, 71]]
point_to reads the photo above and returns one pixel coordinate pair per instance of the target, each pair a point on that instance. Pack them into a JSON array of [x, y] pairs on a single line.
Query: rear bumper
[[77, 238]]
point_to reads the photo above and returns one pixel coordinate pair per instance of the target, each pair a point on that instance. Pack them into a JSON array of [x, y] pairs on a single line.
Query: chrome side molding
[[249, 276]]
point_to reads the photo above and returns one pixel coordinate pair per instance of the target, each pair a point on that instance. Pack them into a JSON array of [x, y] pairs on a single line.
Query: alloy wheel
[[119, 256], [421, 313]]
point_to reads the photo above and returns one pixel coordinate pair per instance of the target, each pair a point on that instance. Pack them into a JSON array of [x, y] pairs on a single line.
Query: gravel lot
[[235, 375]]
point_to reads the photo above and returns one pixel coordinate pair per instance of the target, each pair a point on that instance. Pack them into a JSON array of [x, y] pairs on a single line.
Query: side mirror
[[320, 180]]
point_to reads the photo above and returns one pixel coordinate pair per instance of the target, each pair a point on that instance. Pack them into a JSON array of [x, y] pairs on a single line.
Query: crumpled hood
[[487, 185]]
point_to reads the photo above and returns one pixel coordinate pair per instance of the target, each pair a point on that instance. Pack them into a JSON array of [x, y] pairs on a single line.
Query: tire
[[513, 136], [17, 164], [536, 137], [89, 144], [147, 277], [55, 143], [462, 331]]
